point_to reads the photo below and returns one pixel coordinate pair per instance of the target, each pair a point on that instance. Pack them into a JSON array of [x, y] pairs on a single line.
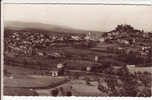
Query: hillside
[[132, 42], [13, 25]]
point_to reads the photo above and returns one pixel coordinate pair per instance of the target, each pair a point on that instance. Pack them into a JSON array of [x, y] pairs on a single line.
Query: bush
[[54, 92]]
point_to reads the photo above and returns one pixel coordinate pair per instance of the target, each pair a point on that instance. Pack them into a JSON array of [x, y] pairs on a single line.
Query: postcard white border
[[143, 2], [82, 1], [2, 34]]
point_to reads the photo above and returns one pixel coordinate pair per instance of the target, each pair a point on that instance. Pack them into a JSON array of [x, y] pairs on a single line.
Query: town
[[72, 64]]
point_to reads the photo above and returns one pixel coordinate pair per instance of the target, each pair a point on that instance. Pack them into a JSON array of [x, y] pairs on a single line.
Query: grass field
[[20, 70], [19, 92], [79, 88], [141, 69], [32, 82], [21, 80]]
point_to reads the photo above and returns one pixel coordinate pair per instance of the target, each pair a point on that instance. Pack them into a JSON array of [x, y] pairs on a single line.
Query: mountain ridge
[[14, 25]]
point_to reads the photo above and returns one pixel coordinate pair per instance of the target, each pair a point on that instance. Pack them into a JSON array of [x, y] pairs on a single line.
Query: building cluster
[[130, 40], [27, 43]]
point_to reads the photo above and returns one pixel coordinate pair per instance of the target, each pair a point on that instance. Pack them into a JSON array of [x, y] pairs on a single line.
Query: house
[[54, 72], [131, 68], [75, 37], [88, 68], [94, 67], [40, 53], [101, 39], [58, 71], [60, 65], [96, 59], [87, 37]]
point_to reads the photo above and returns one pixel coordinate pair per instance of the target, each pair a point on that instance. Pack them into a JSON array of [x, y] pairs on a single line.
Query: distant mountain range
[[14, 25]]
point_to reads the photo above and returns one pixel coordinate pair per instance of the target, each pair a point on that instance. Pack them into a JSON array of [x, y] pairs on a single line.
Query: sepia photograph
[[77, 50]]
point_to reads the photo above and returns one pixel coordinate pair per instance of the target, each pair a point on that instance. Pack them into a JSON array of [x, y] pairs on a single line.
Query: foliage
[[133, 85]]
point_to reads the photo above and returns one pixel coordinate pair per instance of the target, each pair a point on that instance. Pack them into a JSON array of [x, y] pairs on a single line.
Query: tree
[[69, 93], [129, 85], [54, 92]]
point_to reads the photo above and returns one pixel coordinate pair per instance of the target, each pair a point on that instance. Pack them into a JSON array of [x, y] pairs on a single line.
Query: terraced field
[[32, 82]]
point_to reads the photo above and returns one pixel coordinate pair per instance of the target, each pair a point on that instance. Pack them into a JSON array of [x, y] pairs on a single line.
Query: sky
[[85, 17]]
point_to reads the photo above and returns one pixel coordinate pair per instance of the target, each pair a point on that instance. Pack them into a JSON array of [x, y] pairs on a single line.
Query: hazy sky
[[87, 17]]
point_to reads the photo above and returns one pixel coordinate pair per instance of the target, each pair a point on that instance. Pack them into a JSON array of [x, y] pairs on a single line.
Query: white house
[[87, 37], [54, 72], [40, 53], [88, 68], [96, 58], [57, 71], [131, 68], [60, 65], [75, 37], [101, 39]]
